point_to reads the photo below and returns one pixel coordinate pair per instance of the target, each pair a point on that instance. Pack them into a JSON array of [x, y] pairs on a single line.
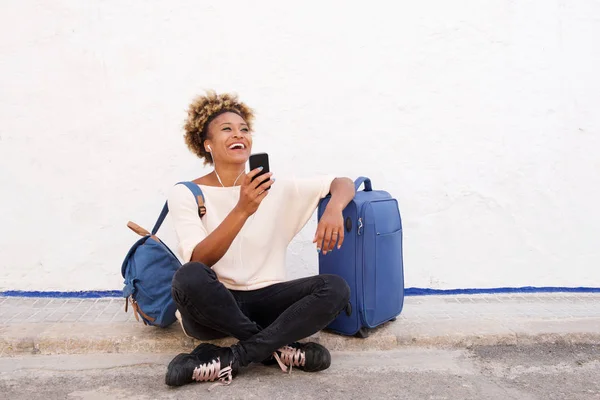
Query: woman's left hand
[[330, 230]]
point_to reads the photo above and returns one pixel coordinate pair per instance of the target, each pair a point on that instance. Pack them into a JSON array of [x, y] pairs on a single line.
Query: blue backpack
[[148, 270], [370, 260]]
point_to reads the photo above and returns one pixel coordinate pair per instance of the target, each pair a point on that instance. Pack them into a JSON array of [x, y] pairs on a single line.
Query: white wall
[[481, 117]]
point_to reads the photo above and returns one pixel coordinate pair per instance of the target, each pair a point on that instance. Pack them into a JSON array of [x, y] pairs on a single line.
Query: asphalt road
[[495, 372]]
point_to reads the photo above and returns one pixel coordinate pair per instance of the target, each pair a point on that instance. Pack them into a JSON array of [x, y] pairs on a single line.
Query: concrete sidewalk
[[74, 326]]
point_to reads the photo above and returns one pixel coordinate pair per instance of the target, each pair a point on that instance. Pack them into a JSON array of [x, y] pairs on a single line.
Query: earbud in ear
[[209, 149]]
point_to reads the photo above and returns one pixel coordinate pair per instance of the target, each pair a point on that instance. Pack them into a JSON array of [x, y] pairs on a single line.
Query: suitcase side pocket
[[383, 273]]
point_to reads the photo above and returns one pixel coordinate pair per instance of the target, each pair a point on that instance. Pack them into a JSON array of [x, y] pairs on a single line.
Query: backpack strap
[[198, 195]]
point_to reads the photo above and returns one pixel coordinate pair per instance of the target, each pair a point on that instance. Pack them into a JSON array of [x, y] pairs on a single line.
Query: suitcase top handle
[[362, 180]]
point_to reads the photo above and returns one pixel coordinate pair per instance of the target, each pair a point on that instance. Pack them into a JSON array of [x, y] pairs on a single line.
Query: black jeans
[[263, 320]]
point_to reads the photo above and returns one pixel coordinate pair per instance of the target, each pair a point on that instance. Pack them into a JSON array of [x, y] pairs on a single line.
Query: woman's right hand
[[252, 193]]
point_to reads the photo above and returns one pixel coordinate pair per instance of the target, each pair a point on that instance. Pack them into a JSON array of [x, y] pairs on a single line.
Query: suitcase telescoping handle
[[362, 180]]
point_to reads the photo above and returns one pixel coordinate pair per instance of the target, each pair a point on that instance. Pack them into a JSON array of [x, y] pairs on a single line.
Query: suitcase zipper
[[361, 302], [361, 214]]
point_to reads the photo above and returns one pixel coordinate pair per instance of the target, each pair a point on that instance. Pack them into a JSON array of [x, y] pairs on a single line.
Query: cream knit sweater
[[256, 258]]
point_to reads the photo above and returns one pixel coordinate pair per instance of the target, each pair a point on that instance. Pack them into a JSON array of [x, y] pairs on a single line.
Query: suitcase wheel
[[393, 319], [362, 333]]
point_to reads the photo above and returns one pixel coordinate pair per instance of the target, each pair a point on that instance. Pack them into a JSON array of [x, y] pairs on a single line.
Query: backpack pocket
[[152, 268]]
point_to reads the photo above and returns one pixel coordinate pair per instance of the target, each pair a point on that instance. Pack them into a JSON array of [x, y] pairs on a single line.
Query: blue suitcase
[[370, 260]]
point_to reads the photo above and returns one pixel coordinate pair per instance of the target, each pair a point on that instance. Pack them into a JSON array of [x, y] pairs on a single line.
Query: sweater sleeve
[[303, 198], [183, 211]]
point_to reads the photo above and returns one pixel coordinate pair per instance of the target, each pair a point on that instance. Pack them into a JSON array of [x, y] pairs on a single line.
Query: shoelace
[[211, 371], [289, 357]]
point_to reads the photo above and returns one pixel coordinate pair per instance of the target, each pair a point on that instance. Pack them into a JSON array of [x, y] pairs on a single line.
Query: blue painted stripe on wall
[[407, 292], [92, 294], [525, 289]]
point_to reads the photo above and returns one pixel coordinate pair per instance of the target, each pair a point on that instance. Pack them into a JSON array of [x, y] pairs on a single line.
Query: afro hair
[[202, 111]]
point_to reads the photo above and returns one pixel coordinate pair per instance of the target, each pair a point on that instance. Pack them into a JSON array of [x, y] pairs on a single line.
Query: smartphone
[[259, 160]]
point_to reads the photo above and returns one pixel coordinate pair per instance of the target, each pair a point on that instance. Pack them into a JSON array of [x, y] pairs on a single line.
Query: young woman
[[233, 282]]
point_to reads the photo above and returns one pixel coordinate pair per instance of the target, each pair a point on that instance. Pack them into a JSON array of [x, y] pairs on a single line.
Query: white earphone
[[209, 149]]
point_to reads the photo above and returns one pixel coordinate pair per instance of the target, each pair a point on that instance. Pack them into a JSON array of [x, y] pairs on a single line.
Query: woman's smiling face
[[229, 139]]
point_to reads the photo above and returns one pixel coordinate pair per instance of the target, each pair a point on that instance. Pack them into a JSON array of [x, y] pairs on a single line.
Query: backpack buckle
[[137, 311]]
